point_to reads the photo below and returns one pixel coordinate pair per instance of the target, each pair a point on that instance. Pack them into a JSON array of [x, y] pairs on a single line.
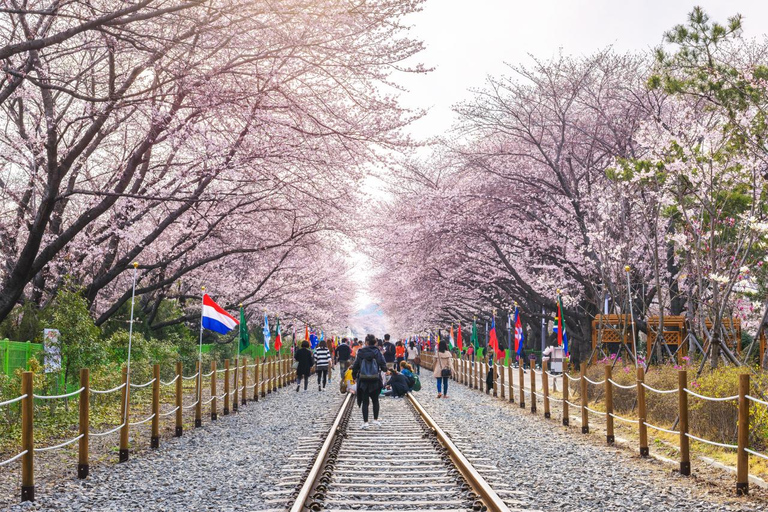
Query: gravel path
[[225, 465], [562, 469]]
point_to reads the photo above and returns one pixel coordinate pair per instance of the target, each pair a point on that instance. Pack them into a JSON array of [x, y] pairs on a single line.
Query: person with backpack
[[413, 356], [389, 352], [442, 369], [322, 362], [303, 357], [407, 371], [342, 355], [366, 371]]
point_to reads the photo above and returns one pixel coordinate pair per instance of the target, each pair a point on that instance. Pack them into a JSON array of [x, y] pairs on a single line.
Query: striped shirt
[[322, 357]]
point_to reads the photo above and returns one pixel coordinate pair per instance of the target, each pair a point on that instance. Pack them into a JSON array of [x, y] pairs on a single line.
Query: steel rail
[[467, 470], [314, 474]]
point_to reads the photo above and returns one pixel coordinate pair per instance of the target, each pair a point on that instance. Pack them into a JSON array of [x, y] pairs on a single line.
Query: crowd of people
[[370, 369]]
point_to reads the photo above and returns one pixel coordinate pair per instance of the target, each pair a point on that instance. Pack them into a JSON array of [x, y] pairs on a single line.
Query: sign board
[[52, 349]]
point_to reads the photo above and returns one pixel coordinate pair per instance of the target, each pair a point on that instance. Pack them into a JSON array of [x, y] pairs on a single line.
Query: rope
[[170, 381], [12, 400], [142, 421], [623, 419], [53, 397], [251, 365], [208, 374], [538, 372], [598, 383], [711, 398], [191, 376], [142, 385], [660, 391], [251, 386], [211, 399], [676, 432], [62, 445], [15, 457], [597, 412], [170, 412], [105, 391], [555, 399], [191, 405], [722, 445], [745, 449], [572, 404], [620, 386], [553, 375], [100, 434], [749, 397], [571, 378]]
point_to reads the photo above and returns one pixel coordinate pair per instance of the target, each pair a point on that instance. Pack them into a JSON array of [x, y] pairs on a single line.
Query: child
[[350, 382]]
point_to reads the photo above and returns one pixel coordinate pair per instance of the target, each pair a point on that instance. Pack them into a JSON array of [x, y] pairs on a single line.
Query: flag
[[267, 336], [450, 338], [214, 317], [493, 340], [245, 339], [278, 337], [312, 340], [473, 338], [306, 332], [562, 335], [519, 336], [458, 338]]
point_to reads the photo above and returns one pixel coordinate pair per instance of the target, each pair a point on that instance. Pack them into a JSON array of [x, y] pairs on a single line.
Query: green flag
[[473, 338], [244, 338]]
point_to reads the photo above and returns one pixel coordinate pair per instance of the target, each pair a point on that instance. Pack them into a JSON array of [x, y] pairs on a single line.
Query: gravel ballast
[[225, 465], [561, 469]]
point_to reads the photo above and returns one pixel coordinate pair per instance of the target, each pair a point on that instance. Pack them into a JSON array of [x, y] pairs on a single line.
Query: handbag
[[445, 372], [417, 361]]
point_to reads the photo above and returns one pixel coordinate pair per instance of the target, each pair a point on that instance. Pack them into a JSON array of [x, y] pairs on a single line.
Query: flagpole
[[200, 350], [239, 342], [130, 341], [631, 314]]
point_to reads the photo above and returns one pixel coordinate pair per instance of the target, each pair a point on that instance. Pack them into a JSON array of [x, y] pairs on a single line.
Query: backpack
[[416, 383], [369, 369], [389, 349]]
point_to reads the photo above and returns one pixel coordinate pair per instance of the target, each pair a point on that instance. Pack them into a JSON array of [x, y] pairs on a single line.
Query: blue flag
[[267, 336]]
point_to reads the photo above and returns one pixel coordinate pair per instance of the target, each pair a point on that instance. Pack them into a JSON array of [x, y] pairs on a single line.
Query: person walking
[[413, 356], [399, 353], [388, 349], [304, 357], [342, 355], [366, 372], [322, 362], [442, 369]]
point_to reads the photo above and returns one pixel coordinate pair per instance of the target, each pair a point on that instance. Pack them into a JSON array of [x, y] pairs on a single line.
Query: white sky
[[467, 40]]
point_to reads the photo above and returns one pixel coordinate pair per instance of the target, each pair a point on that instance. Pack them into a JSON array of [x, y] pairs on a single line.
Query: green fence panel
[[16, 354]]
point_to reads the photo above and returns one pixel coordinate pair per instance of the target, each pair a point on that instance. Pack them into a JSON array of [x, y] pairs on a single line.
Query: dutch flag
[[215, 318]]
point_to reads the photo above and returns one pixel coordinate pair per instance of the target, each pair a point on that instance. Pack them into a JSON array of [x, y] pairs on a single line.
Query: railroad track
[[409, 464]]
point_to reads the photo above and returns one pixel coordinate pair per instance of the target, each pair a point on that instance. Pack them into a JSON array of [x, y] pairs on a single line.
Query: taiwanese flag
[[458, 339], [493, 341], [278, 337]]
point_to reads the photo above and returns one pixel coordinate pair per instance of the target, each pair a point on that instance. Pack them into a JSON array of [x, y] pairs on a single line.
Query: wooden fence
[[474, 373], [269, 374]]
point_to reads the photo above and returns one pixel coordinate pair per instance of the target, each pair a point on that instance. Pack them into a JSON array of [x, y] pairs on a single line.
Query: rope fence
[[268, 375], [498, 379]]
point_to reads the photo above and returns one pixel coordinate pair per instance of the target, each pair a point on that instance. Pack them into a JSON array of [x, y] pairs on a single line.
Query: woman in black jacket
[[369, 363], [305, 359]]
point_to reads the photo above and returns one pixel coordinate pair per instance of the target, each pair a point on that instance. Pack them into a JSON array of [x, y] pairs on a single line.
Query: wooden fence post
[[545, 388], [235, 397], [244, 399], [521, 381], [125, 415], [609, 437], [84, 425], [511, 379], [742, 457], [566, 412], [256, 379], [226, 387], [531, 368], [179, 397], [494, 371], [214, 413], [483, 370], [27, 438], [642, 428], [199, 395], [584, 400], [685, 443], [470, 365], [264, 377], [501, 376], [154, 440]]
